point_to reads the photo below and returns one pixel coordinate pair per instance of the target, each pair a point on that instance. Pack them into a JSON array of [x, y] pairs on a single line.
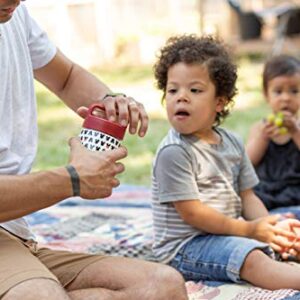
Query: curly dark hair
[[280, 65], [211, 52]]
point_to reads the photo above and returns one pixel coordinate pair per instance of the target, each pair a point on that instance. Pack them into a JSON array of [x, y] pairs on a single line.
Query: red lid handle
[[93, 107], [101, 124]]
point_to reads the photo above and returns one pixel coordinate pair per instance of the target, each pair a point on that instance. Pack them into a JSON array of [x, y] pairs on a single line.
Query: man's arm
[[77, 87], [70, 82], [23, 194]]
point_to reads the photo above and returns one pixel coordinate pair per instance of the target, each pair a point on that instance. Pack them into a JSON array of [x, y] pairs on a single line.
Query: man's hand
[[96, 170], [124, 110]]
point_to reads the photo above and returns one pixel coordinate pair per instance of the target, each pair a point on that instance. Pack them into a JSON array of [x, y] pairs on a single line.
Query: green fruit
[[279, 115], [278, 122], [271, 118], [283, 130]]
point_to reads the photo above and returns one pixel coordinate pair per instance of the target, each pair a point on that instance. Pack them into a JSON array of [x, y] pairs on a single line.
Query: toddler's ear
[[221, 103]]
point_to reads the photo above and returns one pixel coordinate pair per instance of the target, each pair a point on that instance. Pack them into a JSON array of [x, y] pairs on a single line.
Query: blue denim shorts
[[215, 257], [291, 209]]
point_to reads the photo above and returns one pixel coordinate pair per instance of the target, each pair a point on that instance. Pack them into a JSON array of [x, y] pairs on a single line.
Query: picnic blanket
[[122, 225]]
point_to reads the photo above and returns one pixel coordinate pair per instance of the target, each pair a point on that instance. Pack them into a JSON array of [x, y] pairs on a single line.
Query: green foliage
[[240, 121], [141, 153], [123, 75]]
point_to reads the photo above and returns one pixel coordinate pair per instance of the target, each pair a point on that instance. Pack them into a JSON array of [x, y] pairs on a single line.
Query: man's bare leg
[[120, 278], [41, 289], [262, 271]]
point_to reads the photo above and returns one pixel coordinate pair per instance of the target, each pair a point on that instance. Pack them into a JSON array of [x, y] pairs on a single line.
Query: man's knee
[[41, 288], [169, 284]]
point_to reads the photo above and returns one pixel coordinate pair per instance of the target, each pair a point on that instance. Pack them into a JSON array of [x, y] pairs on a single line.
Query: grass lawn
[[57, 123]]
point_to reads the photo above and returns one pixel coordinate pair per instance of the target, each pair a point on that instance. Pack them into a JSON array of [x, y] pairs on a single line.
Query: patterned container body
[[98, 141]]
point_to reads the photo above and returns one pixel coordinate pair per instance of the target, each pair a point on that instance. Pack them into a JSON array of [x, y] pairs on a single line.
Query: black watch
[[113, 95]]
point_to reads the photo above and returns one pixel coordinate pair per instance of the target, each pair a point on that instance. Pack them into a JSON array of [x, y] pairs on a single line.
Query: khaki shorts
[[22, 260]]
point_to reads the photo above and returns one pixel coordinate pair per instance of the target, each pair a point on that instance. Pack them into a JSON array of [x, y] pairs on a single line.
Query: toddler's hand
[[278, 237], [290, 122], [270, 130], [292, 225]]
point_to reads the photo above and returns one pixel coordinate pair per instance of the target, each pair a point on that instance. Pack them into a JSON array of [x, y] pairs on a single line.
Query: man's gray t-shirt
[[186, 168], [23, 48]]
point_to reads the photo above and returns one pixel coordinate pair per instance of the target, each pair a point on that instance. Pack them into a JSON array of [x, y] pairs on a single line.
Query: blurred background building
[[98, 32]]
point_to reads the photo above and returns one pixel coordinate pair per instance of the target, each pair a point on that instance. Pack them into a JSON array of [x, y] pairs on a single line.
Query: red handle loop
[[101, 124], [93, 107]]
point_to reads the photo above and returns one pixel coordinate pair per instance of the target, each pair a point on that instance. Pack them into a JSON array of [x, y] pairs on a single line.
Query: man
[[26, 271]]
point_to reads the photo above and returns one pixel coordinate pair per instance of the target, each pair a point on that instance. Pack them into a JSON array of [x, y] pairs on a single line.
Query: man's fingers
[[115, 182], [123, 107], [119, 168], [75, 145], [113, 155], [134, 113], [126, 110], [111, 110], [75, 142], [116, 154], [82, 111], [144, 121]]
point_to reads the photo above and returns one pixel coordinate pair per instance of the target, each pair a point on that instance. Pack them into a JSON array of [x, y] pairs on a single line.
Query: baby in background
[[273, 144], [208, 223]]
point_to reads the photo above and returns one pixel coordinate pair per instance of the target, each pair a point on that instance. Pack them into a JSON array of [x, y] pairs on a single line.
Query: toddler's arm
[[253, 208], [258, 140], [208, 219]]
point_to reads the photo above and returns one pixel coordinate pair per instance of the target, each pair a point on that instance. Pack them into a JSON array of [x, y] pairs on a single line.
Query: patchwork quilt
[[121, 225]]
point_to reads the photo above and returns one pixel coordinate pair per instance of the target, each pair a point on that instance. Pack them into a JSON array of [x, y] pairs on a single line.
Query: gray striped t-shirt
[[186, 168]]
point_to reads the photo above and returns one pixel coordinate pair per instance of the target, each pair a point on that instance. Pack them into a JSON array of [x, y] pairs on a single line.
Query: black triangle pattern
[[98, 141]]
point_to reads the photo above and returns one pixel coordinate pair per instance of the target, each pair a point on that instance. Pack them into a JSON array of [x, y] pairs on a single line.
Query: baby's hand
[[278, 237]]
